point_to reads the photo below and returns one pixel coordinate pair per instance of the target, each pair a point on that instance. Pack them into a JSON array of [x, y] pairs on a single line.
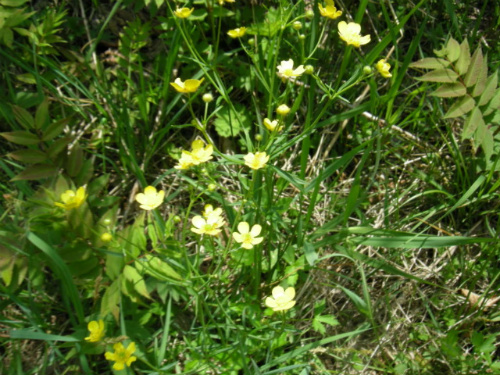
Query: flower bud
[[212, 187], [251, 41], [106, 221], [283, 110], [177, 219], [297, 25], [302, 37], [367, 69], [309, 14], [309, 69], [207, 98], [106, 237], [258, 137]]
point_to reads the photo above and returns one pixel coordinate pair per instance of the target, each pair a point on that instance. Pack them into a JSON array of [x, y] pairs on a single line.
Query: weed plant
[[249, 187]]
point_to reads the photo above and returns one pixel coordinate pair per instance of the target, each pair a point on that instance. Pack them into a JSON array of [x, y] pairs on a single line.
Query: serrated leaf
[[440, 75], [494, 103], [229, 123], [54, 129], [453, 50], [28, 156], [461, 107], [430, 63], [441, 52], [475, 66], [23, 117], [474, 120], [37, 172], [21, 138], [463, 61], [450, 90], [328, 319], [58, 146], [484, 138], [489, 89], [157, 268], [42, 114], [481, 78]]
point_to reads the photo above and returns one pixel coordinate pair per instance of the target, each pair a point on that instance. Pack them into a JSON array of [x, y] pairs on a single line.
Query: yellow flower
[[272, 125], [72, 199], [199, 154], [329, 11], [351, 34], [286, 71], [150, 199], [283, 110], [383, 68], [257, 160], [248, 237], [183, 12], [237, 33], [221, 2], [191, 85], [96, 329], [211, 225], [210, 212], [281, 299], [122, 357]]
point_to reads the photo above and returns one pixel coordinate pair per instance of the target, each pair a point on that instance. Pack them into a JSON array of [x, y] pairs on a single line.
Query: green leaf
[[440, 75], [37, 172], [23, 117], [464, 60], [494, 103], [42, 114], [28, 156], [327, 319], [74, 161], [157, 268], [474, 119], [453, 50], [489, 89], [58, 146], [474, 68], [461, 107], [13, 3], [136, 279], [484, 138], [229, 123], [450, 90], [28, 334], [111, 300], [481, 78], [310, 253], [54, 129], [430, 63], [21, 137]]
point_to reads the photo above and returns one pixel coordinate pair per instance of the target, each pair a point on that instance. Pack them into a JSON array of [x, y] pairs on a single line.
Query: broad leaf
[[453, 49], [37, 172], [474, 120], [28, 156], [489, 89], [474, 68], [494, 103], [450, 90], [21, 137], [481, 78], [54, 129], [440, 75], [463, 61], [430, 63], [461, 107], [23, 117]]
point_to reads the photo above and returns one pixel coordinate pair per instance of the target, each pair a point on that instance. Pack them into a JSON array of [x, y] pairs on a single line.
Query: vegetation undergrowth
[[249, 187]]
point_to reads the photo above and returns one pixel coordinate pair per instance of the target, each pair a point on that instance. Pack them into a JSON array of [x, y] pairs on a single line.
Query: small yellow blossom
[[211, 225], [122, 357], [199, 154], [150, 199], [221, 2], [281, 299], [72, 199], [96, 329], [191, 85], [383, 68], [183, 12], [329, 11], [211, 212], [283, 110], [286, 71], [237, 33], [272, 125], [351, 34], [248, 237], [257, 160]]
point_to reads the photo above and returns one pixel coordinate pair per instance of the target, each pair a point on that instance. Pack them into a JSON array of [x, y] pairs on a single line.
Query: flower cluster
[[72, 199], [210, 223], [199, 154]]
